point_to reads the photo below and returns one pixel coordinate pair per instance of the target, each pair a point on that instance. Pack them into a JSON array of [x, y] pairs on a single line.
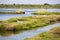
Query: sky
[[29, 1]]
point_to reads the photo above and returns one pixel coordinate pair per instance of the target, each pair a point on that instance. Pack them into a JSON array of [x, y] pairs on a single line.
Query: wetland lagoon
[[27, 26]]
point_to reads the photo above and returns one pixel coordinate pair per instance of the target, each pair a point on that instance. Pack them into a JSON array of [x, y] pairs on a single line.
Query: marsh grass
[[29, 23], [44, 12], [53, 34]]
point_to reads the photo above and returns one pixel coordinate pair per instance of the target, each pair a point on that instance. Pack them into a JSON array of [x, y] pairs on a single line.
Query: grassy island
[[28, 23], [44, 12], [53, 34]]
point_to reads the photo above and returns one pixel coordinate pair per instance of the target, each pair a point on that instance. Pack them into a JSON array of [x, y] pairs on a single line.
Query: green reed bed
[[44, 12], [28, 23]]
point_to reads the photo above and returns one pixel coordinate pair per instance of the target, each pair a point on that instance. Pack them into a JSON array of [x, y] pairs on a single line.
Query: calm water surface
[[28, 12]]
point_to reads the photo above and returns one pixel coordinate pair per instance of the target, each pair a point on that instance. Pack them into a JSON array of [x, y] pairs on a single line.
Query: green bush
[[12, 20], [1, 21], [18, 27], [3, 27]]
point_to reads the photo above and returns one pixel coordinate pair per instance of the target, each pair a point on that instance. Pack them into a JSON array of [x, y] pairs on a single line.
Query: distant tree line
[[46, 5]]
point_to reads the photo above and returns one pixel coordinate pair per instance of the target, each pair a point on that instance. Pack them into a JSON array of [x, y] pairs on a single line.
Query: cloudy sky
[[29, 1]]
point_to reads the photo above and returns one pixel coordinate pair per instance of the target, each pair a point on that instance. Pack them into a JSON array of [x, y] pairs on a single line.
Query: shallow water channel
[[27, 34]]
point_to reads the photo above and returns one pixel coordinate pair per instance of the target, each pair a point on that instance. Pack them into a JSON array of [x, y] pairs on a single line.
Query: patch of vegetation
[[8, 33], [12, 20], [43, 12], [28, 23], [3, 27]]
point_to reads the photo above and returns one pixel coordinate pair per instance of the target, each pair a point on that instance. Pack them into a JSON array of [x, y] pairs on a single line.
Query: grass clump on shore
[[3, 27]]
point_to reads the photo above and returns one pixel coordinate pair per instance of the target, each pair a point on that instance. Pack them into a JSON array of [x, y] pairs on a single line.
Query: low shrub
[[3, 27]]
